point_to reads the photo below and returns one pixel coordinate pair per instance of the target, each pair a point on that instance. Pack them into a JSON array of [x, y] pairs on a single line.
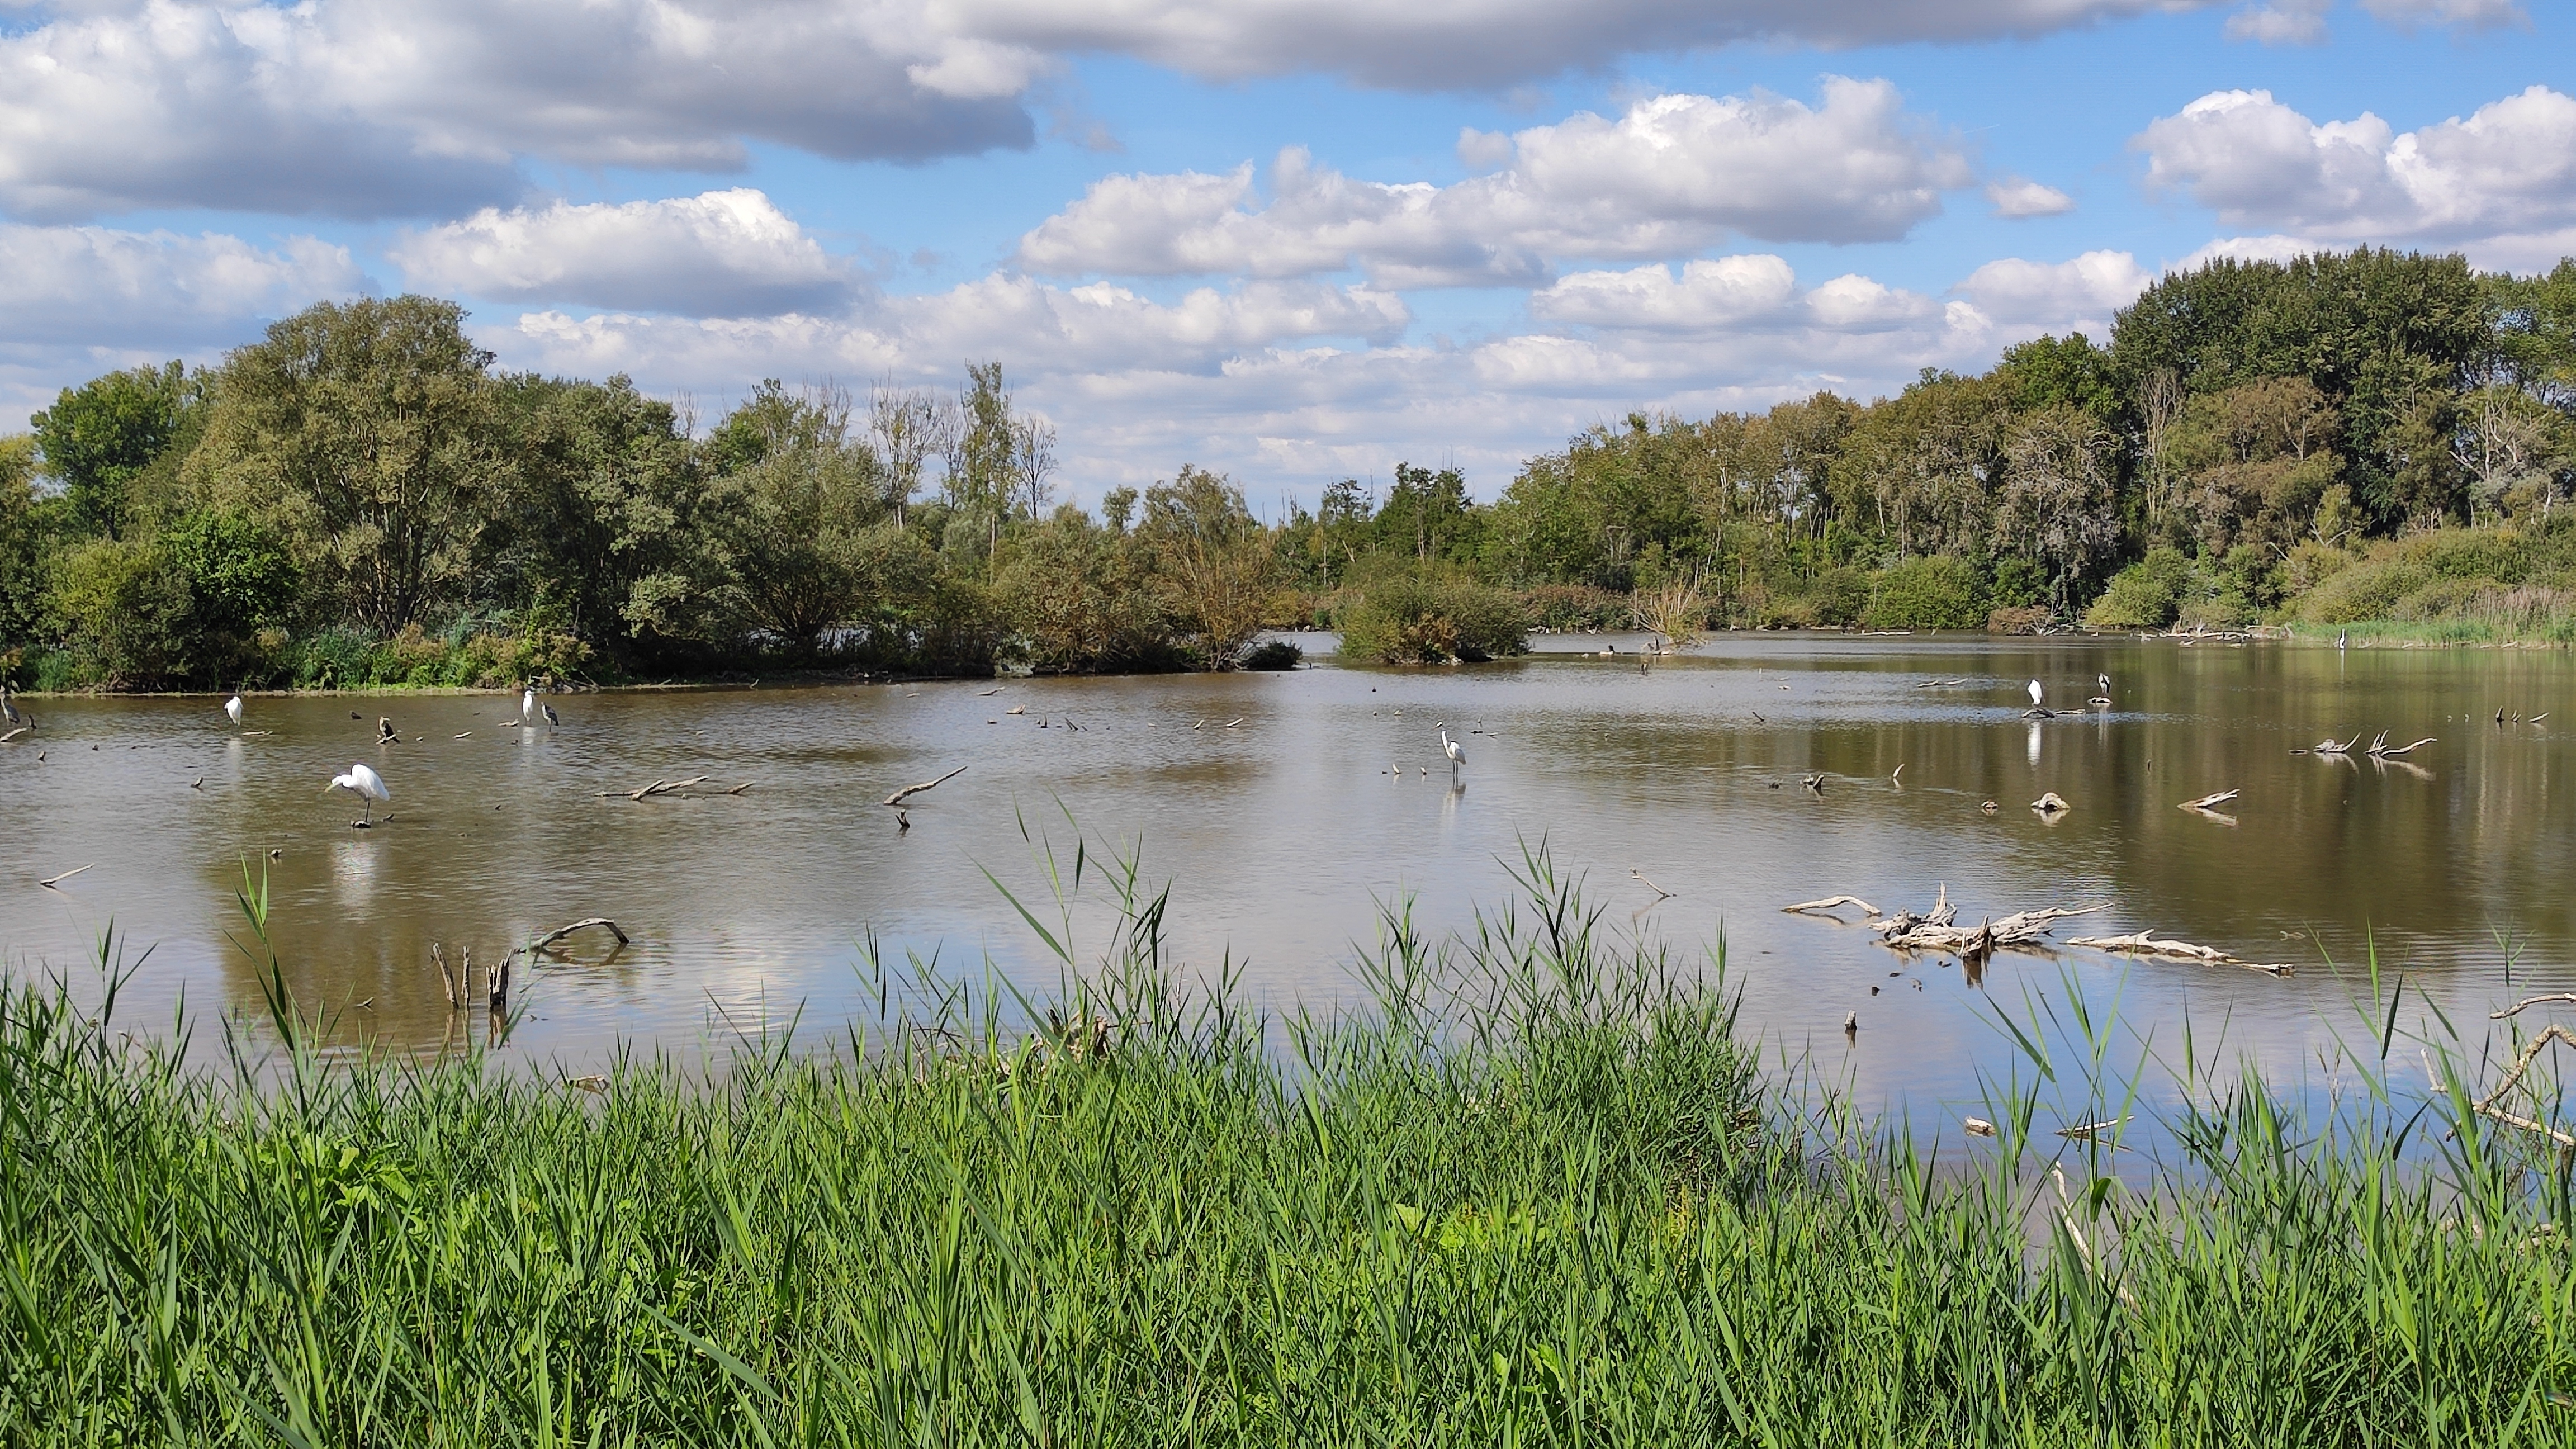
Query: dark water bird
[[386, 734], [552, 719], [8, 711]]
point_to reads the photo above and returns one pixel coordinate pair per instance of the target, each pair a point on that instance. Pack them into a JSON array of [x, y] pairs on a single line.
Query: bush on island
[[1430, 621]]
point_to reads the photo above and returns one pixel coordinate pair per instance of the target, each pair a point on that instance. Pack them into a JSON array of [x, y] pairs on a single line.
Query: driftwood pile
[[1938, 929]]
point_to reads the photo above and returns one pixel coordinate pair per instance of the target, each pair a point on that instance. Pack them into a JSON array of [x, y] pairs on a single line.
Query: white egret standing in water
[[1450, 748], [2034, 694], [232, 710], [367, 785], [528, 705]]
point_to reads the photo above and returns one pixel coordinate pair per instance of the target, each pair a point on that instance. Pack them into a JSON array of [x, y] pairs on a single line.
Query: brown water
[[1280, 834]]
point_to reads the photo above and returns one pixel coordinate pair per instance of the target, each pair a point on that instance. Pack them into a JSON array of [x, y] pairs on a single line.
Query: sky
[[1288, 240]]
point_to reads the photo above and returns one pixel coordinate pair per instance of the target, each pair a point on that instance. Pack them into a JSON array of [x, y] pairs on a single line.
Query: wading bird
[[528, 705], [1450, 748], [367, 785], [2102, 700], [552, 718], [2035, 693], [232, 710], [8, 712]]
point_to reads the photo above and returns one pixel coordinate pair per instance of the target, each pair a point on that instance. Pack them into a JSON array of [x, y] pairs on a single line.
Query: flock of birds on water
[[361, 778]]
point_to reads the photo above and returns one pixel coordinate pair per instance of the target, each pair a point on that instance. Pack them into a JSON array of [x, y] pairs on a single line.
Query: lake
[[1284, 809]]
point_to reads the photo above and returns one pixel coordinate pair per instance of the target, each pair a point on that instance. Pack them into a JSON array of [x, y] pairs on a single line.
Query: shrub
[[1840, 596], [2147, 594], [1272, 654], [1928, 593], [1574, 607], [1423, 621], [2017, 619], [125, 610]]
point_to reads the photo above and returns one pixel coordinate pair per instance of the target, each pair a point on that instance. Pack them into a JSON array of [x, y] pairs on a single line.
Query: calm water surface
[[1282, 833]]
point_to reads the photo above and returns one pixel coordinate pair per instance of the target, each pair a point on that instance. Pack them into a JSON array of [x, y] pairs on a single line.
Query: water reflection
[[1280, 836]]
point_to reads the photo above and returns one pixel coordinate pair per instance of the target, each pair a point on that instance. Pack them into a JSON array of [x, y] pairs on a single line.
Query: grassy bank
[[1539, 1195]]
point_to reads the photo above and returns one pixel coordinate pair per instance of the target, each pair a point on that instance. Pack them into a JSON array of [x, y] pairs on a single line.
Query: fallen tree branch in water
[[2486, 1105], [2205, 801], [2528, 1002], [658, 787], [2380, 749], [52, 881], [907, 792], [1827, 904], [553, 936], [2018, 929], [2144, 943]]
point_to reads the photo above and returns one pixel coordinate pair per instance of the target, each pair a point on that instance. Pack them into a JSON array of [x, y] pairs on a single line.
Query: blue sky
[[1660, 212]]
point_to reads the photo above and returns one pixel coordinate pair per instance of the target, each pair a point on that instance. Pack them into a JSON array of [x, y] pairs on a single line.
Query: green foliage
[[1214, 565], [124, 610], [98, 438], [22, 547], [2049, 372], [1928, 593], [2147, 594], [370, 432], [1413, 619]]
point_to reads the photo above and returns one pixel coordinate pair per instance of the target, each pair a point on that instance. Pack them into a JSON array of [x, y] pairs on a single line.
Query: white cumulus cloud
[[371, 108], [1673, 174], [2508, 171], [1470, 43], [2280, 22], [88, 286], [2016, 199], [720, 254]]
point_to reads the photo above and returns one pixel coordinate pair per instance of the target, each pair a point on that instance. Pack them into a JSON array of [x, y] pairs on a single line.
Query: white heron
[[2102, 700], [367, 785], [1450, 748], [528, 705], [232, 710], [2035, 694]]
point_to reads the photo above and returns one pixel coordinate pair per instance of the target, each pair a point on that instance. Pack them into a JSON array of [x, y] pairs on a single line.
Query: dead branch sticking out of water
[[2144, 943], [13, 734], [1661, 894], [2380, 749], [908, 791], [603, 922], [2329, 746], [2206, 801], [52, 881], [1827, 904], [2528, 1002], [446, 978], [2487, 1107]]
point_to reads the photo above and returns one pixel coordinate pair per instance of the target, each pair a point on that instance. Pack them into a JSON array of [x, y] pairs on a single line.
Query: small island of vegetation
[[2367, 441]]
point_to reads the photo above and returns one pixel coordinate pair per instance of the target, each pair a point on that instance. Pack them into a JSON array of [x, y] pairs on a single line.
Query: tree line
[[360, 498]]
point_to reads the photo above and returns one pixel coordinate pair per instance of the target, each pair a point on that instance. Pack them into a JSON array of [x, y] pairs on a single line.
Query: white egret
[[367, 785], [528, 705], [2035, 694], [232, 710], [1450, 748]]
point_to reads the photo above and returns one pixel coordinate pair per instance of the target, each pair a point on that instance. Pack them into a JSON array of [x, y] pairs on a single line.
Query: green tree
[[98, 438], [22, 578], [370, 431], [241, 578], [124, 611], [1212, 561], [803, 539], [607, 517]]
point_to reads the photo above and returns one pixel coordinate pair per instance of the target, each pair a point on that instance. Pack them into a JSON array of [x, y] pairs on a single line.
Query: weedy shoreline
[[1538, 1192]]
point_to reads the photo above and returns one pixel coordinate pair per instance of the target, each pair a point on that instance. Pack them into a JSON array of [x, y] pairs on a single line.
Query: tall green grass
[[1538, 1193]]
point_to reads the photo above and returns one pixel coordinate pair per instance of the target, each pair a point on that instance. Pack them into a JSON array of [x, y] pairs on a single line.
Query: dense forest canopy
[[359, 497]]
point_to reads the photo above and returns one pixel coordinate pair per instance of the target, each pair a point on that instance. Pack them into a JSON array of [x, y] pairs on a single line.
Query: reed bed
[[1538, 1193]]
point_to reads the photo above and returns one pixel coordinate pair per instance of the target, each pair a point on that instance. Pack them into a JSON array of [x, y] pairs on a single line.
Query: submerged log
[[2144, 943], [2205, 801], [2018, 929]]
